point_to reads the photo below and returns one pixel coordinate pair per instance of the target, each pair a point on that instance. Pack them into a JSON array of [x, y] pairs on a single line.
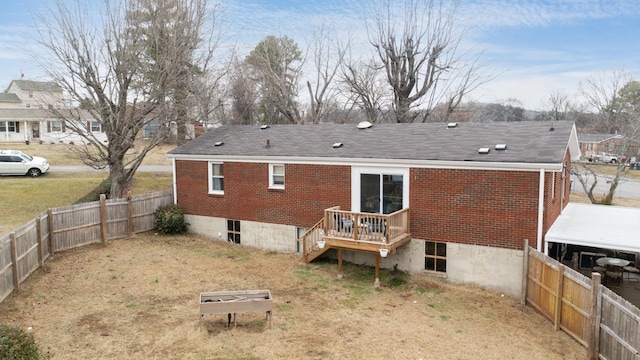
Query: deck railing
[[381, 228]]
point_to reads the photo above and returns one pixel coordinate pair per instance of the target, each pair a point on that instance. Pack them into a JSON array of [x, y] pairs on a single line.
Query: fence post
[[129, 214], [559, 295], [39, 239], [50, 222], [594, 316], [14, 261], [103, 218], [525, 272]]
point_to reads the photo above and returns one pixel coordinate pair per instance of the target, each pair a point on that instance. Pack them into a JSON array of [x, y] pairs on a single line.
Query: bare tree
[[364, 89], [616, 101], [326, 58], [558, 106], [101, 62], [417, 43]]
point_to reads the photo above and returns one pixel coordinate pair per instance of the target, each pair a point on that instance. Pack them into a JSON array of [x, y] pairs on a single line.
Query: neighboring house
[[26, 114], [592, 144], [452, 200]]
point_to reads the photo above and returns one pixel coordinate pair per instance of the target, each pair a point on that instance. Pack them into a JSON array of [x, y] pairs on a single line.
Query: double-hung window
[[94, 126], [8, 126], [56, 126], [216, 178], [276, 176]]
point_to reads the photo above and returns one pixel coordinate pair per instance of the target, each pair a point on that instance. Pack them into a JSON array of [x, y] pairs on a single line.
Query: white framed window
[[216, 178], [276, 176], [94, 126], [55, 126], [8, 126], [379, 190]]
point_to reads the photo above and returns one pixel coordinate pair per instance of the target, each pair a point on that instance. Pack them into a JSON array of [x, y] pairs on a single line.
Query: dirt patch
[[138, 299]]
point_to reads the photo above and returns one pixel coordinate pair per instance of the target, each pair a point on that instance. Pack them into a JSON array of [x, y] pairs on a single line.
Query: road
[[627, 188], [143, 168]]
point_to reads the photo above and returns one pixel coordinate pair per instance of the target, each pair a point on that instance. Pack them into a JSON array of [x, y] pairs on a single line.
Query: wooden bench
[[232, 302]]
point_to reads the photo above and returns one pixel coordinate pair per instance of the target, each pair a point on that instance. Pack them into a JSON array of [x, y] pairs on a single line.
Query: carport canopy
[[600, 226]]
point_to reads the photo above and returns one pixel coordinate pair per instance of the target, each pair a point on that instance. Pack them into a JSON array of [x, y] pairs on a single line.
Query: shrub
[[170, 220], [17, 344]]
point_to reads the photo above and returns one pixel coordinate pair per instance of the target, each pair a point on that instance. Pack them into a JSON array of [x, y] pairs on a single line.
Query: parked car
[[14, 162], [605, 158]]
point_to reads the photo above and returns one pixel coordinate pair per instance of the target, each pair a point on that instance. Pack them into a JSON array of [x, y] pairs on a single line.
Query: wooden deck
[[347, 230]]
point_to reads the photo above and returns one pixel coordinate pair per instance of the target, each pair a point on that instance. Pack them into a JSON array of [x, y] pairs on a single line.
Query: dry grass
[[138, 299]]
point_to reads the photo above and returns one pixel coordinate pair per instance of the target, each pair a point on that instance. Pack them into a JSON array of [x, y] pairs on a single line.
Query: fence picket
[[67, 227], [598, 318]]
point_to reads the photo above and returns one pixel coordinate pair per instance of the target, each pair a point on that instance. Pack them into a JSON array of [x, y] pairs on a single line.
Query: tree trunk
[[118, 178]]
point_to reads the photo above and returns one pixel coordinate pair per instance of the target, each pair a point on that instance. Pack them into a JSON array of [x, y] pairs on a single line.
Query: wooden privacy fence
[[63, 228], [598, 318]]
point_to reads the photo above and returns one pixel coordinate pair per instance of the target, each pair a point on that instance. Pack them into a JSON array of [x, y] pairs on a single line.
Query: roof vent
[[337, 145], [364, 125], [483, 150], [452, 125], [264, 127], [218, 143], [501, 146]]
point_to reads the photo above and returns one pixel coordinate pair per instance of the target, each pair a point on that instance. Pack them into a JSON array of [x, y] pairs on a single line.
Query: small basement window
[[435, 256], [233, 231]]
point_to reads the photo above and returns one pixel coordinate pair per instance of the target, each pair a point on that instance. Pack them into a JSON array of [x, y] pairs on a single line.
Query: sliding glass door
[[381, 193]]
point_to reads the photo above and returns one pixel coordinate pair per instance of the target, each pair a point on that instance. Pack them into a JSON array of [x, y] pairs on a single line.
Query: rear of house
[[454, 200]]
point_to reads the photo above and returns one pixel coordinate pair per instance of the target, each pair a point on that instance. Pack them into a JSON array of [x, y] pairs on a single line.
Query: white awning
[[600, 226]]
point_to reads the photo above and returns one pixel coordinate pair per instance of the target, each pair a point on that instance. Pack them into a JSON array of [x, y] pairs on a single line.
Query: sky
[[529, 48]]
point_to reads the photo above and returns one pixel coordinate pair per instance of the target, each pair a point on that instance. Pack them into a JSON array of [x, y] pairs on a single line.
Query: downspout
[[541, 214], [175, 186], [563, 181]]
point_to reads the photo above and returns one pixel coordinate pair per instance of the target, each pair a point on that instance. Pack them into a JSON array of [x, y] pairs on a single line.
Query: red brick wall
[[491, 208], [309, 189], [553, 205]]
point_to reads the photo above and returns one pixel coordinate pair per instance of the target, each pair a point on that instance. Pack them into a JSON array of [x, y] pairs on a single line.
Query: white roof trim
[[600, 226], [433, 164]]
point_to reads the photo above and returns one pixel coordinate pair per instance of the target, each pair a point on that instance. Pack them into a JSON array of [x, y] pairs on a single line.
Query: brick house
[[451, 200], [592, 144]]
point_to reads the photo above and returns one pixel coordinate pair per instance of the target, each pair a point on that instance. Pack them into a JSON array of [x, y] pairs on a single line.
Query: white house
[[26, 115]]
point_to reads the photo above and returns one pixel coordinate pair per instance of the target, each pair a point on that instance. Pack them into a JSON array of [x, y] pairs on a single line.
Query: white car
[[605, 158], [14, 162]]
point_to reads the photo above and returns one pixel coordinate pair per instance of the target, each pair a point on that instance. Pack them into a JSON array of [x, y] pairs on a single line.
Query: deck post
[[339, 263], [376, 283]]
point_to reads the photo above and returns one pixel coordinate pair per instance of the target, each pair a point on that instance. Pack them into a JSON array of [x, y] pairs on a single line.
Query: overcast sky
[[533, 47]]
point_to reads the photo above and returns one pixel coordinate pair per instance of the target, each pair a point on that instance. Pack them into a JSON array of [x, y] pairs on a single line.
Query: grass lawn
[[59, 154], [23, 198]]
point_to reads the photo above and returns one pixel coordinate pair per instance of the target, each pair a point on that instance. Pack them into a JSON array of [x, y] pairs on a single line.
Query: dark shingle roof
[[37, 85], [596, 138], [9, 98], [31, 114], [527, 142]]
